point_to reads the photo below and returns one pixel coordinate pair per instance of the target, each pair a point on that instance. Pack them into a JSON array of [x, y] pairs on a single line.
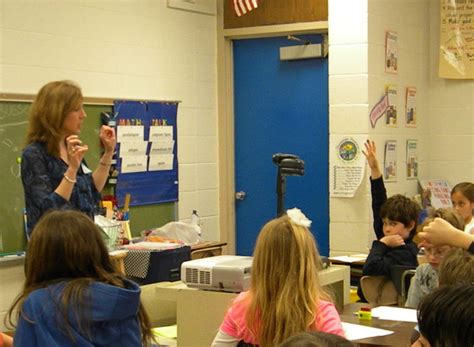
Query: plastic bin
[[165, 266]]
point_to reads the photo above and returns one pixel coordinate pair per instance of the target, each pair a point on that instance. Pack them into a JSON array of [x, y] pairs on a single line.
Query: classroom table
[[356, 269], [402, 331], [199, 313]]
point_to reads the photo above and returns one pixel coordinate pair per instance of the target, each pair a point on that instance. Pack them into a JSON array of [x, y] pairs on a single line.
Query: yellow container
[[353, 295]]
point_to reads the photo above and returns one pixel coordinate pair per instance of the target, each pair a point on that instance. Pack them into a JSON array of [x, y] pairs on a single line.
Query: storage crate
[[164, 266]]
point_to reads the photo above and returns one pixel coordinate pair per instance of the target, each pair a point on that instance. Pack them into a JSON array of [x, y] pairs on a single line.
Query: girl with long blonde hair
[[285, 296]]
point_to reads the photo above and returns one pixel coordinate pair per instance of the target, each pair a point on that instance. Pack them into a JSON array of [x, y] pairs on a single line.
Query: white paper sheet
[[130, 133], [133, 148], [350, 258], [161, 162], [157, 246], [347, 165], [134, 164], [159, 133], [357, 332], [395, 313], [162, 147]]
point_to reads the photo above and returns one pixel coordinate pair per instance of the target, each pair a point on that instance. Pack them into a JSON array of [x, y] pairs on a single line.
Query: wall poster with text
[[456, 51]]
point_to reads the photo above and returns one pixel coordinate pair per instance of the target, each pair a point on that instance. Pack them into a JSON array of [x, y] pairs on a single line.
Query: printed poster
[[347, 165], [456, 51], [439, 193], [391, 52], [412, 159], [410, 107], [390, 162], [391, 117]]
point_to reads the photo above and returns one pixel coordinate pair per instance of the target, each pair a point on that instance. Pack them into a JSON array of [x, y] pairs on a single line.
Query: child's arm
[[377, 188], [414, 292], [6, 340], [370, 153], [382, 258], [224, 340], [440, 232]]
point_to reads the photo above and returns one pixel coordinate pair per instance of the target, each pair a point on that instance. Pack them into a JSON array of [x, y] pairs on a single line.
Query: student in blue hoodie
[[73, 296], [395, 221]]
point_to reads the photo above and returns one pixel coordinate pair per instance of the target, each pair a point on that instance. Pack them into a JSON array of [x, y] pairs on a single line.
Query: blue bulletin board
[[147, 151]]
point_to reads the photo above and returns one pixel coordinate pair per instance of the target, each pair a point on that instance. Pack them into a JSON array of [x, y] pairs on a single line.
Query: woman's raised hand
[[75, 151], [108, 139]]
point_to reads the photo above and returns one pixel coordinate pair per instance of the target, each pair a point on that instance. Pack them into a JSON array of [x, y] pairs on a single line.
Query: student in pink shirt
[[285, 296]]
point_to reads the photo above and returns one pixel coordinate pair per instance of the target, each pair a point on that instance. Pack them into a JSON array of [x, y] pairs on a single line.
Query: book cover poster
[[391, 52], [412, 159], [410, 107], [390, 162], [437, 193], [391, 117]]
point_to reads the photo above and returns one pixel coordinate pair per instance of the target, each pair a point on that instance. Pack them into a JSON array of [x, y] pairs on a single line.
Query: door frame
[[225, 108]]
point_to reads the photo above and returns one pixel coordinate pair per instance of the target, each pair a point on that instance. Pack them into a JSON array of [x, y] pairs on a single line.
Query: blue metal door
[[280, 107]]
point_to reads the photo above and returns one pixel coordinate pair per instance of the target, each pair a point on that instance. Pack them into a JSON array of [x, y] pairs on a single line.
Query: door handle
[[240, 195]]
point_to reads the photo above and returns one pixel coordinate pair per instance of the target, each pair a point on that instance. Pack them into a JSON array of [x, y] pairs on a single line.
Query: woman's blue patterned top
[[42, 173]]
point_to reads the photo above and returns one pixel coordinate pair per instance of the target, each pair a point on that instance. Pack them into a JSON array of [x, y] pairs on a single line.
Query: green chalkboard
[[13, 125]]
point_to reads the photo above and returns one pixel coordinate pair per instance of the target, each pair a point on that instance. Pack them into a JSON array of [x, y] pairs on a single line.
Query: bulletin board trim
[[88, 100]]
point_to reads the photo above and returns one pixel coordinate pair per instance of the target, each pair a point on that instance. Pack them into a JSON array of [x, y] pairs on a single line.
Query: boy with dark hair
[[445, 317], [394, 225]]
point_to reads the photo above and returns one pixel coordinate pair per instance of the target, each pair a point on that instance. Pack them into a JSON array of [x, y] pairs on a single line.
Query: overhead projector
[[227, 273]]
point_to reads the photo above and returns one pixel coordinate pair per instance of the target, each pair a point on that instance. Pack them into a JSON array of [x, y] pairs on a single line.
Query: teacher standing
[[53, 170]]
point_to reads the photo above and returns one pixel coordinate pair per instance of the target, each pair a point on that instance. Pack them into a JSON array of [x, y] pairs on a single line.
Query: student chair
[[206, 252], [401, 277], [379, 290]]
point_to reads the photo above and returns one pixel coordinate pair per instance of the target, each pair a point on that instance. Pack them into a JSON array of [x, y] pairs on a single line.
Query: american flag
[[243, 6]]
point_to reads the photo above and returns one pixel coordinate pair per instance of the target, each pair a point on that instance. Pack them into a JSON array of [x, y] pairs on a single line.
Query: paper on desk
[[350, 258], [166, 336], [395, 313], [357, 332], [154, 246], [170, 331]]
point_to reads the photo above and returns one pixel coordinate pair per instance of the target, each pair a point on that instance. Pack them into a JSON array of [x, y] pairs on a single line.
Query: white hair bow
[[298, 217]]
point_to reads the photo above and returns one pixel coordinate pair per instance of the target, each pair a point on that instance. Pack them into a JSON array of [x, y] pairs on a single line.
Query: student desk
[[199, 313], [355, 266], [402, 331]]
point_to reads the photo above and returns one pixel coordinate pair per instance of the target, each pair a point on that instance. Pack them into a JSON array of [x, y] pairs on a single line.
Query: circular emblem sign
[[348, 150]]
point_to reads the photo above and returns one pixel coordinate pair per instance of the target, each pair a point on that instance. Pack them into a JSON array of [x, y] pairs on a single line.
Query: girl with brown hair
[[72, 294]]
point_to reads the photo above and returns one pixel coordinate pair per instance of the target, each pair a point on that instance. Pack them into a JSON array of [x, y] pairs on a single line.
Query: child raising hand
[[394, 225]]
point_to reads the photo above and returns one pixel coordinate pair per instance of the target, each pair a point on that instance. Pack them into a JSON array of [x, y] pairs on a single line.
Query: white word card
[[161, 162], [133, 148], [162, 147], [160, 133], [134, 164], [127, 133]]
